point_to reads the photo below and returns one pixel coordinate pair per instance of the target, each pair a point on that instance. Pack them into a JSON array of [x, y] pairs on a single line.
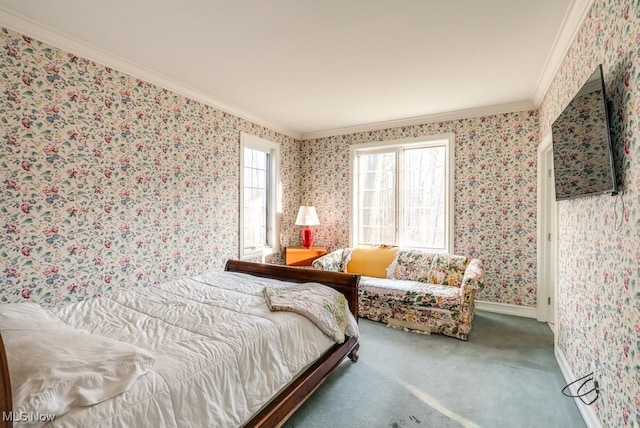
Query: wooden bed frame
[[281, 407]]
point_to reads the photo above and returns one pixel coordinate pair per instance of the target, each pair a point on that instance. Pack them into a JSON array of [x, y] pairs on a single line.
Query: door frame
[[547, 218]]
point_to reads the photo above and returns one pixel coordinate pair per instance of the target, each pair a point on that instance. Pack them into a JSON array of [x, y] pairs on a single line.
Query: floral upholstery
[[334, 261], [454, 323], [423, 292], [411, 293], [411, 264], [448, 269], [325, 307], [474, 275]]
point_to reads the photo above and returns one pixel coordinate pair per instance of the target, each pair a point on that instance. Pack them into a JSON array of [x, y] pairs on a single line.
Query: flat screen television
[[582, 153]]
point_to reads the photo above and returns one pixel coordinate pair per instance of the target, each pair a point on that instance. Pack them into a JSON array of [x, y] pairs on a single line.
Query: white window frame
[[445, 140], [274, 198]]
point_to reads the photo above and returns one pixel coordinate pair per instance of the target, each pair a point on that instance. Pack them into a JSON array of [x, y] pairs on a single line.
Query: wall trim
[[43, 33], [588, 413], [570, 26], [506, 309], [421, 120]]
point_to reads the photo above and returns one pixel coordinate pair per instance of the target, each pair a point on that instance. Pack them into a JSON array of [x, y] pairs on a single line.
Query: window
[[403, 193], [259, 182]]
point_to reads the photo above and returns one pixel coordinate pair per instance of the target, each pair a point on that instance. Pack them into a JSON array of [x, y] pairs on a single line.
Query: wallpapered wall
[[107, 181], [495, 194], [599, 237], [95, 167]]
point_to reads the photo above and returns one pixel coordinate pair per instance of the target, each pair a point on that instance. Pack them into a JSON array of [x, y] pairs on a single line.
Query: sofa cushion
[[410, 293], [412, 265], [371, 261], [448, 269]]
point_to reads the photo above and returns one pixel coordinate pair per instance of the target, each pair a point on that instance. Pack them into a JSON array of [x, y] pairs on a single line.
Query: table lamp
[[307, 217]]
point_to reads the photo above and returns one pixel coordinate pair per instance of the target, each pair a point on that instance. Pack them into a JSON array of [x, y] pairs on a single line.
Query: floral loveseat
[[417, 290]]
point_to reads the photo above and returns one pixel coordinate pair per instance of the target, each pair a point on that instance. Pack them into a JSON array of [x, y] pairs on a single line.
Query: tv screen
[[582, 154]]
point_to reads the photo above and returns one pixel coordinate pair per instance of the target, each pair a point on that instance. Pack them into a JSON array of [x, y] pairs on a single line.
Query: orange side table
[[300, 256]]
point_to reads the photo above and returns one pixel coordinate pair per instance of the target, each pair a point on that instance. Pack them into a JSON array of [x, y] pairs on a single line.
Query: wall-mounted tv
[[582, 154]]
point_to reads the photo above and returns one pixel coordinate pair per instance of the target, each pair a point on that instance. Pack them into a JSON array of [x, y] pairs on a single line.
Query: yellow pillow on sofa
[[371, 261]]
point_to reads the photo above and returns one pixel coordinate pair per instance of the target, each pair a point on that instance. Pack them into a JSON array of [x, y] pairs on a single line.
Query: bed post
[[5, 389]]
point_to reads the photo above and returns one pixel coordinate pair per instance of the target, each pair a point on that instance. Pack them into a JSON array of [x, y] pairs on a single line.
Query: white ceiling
[[311, 68]]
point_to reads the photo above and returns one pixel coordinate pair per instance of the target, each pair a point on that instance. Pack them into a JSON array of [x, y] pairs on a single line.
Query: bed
[[190, 382]]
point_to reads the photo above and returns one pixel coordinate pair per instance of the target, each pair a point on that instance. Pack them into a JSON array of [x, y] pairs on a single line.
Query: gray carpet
[[504, 376]]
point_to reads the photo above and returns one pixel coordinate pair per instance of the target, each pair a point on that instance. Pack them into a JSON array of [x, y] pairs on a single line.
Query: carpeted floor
[[504, 376]]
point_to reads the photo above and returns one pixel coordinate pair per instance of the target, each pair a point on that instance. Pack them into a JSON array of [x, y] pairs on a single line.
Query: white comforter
[[221, 354]]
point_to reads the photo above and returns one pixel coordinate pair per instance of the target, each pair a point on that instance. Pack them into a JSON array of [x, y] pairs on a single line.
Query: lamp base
[[307, 237]]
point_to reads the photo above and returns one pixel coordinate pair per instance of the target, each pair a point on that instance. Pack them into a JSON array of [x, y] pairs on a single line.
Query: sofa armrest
[[333, 261], [473, 275]]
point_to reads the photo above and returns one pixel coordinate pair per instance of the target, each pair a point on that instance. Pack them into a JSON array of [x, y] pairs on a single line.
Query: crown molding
[[43, 33], [420, 120], [571, 24]]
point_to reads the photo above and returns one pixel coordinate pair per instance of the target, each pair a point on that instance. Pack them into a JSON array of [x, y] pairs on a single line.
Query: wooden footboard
[[281, 407]]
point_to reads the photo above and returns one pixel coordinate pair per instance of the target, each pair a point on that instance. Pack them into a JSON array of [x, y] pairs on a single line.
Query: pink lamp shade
[[307, 217]]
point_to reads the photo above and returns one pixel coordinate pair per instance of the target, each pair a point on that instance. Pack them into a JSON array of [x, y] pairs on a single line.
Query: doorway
[[547, 236]]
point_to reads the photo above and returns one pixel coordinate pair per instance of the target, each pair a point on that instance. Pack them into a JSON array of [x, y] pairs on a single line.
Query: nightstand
[[300, 256]]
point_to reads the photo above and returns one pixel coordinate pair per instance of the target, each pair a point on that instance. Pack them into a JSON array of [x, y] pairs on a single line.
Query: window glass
[[258, 198], [424, 198], [255, 198], [403, 193], [376, 198]]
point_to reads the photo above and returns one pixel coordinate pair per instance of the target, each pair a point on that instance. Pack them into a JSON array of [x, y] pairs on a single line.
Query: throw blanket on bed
[[324, 306]]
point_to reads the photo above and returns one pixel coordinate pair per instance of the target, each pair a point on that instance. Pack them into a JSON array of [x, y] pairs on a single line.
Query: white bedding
[[221, 354]]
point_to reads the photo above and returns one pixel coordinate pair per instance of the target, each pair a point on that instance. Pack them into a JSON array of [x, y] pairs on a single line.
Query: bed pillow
[[326, 307], [54, 367]]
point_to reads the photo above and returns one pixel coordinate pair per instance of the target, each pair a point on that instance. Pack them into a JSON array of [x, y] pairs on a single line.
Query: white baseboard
[[588, 413], [506, 309]]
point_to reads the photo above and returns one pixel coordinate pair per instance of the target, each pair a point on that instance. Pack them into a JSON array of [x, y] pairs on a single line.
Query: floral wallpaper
[[107, 181], [495, 195], [110, 181], [598, 318]]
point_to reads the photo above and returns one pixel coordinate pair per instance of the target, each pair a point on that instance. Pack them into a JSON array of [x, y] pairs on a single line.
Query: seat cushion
[[410, 293]]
